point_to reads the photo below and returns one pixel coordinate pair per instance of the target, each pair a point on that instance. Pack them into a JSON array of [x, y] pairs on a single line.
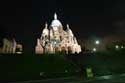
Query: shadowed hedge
[[15, 67]]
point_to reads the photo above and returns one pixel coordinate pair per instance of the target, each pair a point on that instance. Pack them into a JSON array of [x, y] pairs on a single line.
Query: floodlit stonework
[[55, 39], [11, 46]]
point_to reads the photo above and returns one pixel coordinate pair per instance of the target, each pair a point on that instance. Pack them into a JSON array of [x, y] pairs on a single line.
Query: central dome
[[56, 22]]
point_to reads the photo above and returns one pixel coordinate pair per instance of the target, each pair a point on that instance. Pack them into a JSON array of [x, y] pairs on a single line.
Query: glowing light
[[97, 42], [116, 46], [55, 42], [19, 52], [94, 49], [122, 47]]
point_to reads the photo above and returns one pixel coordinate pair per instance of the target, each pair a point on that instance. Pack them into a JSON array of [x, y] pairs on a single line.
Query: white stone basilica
[[54, 39]]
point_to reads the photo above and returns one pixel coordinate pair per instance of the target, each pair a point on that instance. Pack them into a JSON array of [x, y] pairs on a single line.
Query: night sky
[[25, 19]]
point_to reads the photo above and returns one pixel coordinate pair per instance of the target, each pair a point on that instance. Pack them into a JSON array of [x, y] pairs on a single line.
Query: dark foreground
[[31, 68], [101, 79]]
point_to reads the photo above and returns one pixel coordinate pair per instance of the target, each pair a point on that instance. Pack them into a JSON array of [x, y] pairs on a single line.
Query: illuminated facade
[[55, 39]]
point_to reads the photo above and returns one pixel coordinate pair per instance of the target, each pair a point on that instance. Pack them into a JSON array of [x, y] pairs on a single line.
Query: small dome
[[69, 31], [56, 22], [45, 30]]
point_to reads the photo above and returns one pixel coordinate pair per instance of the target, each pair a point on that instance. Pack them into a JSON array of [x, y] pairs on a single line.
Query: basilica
[[55, 39]]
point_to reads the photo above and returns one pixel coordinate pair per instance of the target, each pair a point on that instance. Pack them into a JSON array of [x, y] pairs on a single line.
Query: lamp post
[[97, 42]]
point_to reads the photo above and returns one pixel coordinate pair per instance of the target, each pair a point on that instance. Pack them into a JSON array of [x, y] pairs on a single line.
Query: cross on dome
[[55, 16]]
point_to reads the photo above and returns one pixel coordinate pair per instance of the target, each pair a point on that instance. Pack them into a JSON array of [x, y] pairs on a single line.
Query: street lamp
[[94, 49], [97, 42], [116, 46]]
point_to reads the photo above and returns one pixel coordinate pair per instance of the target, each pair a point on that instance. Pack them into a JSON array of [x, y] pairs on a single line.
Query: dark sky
[[25, 19]]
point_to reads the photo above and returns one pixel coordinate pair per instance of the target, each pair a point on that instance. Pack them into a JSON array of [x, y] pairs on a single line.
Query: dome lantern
[[56, 23], [55, 16]]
